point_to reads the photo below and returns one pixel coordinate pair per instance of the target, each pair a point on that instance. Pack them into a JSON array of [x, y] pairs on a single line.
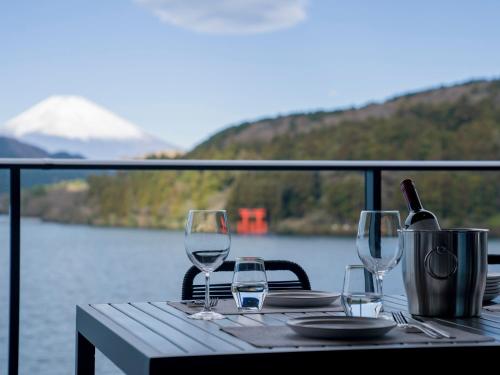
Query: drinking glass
[[207, 241], [361, 293], [378, 242], [249, 285]]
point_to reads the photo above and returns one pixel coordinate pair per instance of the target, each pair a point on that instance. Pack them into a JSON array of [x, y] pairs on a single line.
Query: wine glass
[[378, 242], [207, 241]]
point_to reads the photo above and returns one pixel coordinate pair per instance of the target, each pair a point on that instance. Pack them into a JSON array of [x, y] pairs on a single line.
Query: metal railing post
[[15, 268], [373, 189], [373, 201]]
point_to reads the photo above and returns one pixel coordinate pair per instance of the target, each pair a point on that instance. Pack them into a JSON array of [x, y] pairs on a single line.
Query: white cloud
[[229, 16], [332, 93]]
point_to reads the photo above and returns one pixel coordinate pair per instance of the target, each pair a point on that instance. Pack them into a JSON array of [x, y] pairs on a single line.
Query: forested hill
[[460, 122], [456, 122], [12, 148]]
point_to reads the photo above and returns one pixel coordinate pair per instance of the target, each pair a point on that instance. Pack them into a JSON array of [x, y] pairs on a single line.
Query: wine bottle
[[418, 218]]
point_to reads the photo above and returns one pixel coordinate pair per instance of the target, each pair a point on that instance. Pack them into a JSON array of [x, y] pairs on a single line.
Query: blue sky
[[183, 69]]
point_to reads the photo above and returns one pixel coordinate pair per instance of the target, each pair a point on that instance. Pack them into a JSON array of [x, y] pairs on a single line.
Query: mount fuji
[[77, 125]]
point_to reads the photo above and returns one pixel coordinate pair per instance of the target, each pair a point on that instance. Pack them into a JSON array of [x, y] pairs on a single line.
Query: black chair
[[494, 259], [223, 291]]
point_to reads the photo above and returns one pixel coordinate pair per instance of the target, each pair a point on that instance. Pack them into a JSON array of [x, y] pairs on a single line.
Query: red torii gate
[[252, 221]]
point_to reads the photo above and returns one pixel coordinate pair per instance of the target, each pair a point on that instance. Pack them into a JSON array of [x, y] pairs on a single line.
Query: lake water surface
[[65, 265]]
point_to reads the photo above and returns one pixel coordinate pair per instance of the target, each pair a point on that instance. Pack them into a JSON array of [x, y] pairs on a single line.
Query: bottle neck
[[411, 196]]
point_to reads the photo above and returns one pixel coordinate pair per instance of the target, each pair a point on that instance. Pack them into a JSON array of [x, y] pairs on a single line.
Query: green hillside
[[460, 122]]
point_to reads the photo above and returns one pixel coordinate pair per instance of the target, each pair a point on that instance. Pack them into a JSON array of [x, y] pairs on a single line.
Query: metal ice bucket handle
[[441, 251]]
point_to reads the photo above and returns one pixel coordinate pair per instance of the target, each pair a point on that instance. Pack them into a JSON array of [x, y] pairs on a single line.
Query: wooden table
[[155, 338]]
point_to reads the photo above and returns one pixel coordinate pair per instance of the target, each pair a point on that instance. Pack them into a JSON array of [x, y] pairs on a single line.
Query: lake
[[64, 265]]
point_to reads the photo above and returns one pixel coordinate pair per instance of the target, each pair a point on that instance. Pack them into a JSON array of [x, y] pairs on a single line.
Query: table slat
[[189, 328], [137, 329], [175, 336], [208, 326]]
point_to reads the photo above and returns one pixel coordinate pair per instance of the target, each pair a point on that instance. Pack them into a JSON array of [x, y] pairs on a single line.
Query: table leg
[[85, 356]]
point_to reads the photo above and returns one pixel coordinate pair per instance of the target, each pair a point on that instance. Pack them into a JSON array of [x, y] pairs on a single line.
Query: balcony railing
[[373, 193]]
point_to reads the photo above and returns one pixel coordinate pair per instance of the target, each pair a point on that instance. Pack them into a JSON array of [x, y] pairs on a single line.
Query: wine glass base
[[385, 315], [207, 315]]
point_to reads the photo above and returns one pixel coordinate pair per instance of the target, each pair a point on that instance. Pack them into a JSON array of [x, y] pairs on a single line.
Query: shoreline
[[491, 234]]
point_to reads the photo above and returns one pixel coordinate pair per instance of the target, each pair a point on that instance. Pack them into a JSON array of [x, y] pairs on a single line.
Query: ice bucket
[[444, 271]]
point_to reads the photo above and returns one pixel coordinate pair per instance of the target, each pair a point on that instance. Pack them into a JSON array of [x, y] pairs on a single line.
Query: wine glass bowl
[[207, 241], [378, 241]]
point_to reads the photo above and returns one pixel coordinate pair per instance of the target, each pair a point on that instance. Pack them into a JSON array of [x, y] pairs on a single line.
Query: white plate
[[341, 327], [493, 276], [300, 298]]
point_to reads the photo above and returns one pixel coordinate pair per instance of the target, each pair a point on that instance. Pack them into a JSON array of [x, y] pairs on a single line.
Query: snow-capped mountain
[[77, 125]]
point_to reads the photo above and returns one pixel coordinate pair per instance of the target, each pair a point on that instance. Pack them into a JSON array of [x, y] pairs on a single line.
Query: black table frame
[[135, 356]]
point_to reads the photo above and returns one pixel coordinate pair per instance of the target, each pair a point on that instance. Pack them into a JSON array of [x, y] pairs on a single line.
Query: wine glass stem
[[381, 283], [207, 291], [380, 279]]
